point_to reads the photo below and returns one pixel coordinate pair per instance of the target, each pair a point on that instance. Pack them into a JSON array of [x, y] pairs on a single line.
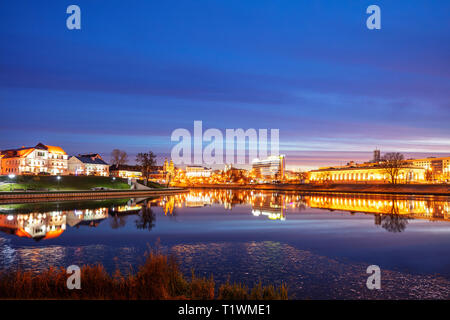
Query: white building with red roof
[[34, 160]]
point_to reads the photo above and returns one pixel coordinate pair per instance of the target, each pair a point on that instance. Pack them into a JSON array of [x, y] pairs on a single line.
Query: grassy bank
[[159, 278], [66, 183]]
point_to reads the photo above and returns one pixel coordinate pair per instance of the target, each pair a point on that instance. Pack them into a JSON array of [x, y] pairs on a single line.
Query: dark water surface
[[319, 244]]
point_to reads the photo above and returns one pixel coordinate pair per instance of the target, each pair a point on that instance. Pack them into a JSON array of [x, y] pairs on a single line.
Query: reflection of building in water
[[272, 206], [200, 198], [89, 217], [127, 208], [168, 204], [391, 212], [421, 208], [51, 224], [197, 200], [268, 204], [34, 225]]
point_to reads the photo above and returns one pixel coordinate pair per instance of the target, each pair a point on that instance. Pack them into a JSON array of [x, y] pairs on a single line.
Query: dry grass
[[159, 278], [237, 291]]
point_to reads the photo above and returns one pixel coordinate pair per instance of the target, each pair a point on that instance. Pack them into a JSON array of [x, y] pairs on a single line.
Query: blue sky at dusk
[[137, 70]]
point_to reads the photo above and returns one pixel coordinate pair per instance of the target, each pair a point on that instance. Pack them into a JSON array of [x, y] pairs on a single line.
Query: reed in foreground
[[159, 278]]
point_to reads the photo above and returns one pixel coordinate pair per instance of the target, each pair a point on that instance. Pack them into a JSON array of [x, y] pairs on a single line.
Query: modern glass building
[[272, 167]]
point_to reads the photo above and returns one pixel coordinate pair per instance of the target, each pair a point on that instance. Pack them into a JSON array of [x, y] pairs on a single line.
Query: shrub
[[159, 278]]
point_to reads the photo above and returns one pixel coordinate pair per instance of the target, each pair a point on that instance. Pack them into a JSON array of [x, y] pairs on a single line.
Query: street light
[[59, 179]]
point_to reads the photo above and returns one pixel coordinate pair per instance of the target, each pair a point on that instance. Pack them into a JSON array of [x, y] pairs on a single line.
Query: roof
[[17, 153], [57, 150], [429, 159], [90, 155], [90, 160], [25, 151]]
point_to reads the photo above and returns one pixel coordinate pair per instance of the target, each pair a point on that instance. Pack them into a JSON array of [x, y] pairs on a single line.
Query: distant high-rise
[[271, 167], [376, 155]]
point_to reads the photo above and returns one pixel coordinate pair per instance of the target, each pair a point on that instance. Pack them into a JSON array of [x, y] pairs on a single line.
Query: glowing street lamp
[[59, 179]]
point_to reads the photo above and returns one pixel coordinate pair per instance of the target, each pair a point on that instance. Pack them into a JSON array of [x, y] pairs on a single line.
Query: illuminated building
[[197, 172], [125, 171], [34, 160], [411, 171], [168, 167], [168, 171], [270, 168], [232, 175], [365, 174], [157, 175], [88, 164], [294, 176], [439, 168]]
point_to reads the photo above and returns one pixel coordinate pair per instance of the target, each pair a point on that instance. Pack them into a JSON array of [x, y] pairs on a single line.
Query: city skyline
[[131, 76], [309, 161]]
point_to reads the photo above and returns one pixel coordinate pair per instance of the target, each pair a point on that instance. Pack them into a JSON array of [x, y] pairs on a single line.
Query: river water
[[320, 245]]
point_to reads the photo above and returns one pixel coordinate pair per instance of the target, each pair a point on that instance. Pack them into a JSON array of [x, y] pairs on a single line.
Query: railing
[[85, 194]]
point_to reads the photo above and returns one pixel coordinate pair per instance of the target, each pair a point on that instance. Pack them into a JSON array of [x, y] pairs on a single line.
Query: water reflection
[[49, 220], [146, 218]]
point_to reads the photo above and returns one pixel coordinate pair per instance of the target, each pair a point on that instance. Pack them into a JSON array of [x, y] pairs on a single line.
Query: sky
[[137, 70]]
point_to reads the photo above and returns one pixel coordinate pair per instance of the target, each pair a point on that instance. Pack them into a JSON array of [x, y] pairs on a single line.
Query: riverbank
[[159, 278], [406, 189], [64, 183], [39, 196]]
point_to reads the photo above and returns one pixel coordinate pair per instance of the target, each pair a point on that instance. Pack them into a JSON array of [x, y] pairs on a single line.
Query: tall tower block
[[376, 155]]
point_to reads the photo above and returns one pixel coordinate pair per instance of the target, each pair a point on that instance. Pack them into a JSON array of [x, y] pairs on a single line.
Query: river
[[320, 245]]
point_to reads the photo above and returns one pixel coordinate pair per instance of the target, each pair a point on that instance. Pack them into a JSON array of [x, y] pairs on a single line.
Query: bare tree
[[394, 222], [119, 157], [146, 218], [326, 177], [429, 175], [302, 176], [392, 163], [147, 161]]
